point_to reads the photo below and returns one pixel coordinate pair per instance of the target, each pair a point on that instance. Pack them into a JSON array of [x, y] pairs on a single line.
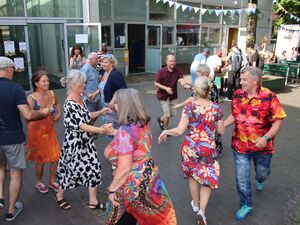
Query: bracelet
[[267, 138], [109, 191]]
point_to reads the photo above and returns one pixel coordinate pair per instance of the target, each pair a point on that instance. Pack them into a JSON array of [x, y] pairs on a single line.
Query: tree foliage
[[281, 7]]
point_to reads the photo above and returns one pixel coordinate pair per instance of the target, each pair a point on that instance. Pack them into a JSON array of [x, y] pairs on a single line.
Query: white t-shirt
[[213, 62]]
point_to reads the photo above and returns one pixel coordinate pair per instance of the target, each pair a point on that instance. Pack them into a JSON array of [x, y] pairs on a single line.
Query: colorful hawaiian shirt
[[254, 118]]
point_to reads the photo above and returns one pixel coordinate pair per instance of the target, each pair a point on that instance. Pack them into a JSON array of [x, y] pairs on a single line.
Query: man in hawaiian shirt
[[257, 115]]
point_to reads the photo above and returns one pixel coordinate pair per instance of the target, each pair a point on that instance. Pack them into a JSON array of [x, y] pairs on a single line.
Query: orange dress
[[42, 146]]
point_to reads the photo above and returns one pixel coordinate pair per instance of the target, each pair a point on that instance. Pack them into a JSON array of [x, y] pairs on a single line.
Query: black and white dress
[[78, 163]]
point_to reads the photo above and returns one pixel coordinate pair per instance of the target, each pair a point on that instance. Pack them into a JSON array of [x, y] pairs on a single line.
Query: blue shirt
[[11, 128], [92, 81]]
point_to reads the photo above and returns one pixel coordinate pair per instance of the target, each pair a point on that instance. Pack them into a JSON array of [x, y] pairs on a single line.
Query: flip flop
[[99, 205], [160, 123]]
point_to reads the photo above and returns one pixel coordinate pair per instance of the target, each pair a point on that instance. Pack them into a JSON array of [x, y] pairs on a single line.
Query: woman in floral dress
[[137, 193], [201, 118]]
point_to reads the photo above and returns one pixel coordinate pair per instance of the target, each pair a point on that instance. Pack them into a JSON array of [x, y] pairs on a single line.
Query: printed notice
[[22, 46], [19, 64], [9, 48], [81, 38]]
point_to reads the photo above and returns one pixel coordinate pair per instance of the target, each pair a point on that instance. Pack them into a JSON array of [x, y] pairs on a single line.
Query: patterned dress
[[42, 145], [198, 148], [143, 195], [78, 163]]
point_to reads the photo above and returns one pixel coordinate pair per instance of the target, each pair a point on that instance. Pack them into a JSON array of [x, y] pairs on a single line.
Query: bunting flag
[[217, 12], [171, 3], [183, 7], [286, 12]]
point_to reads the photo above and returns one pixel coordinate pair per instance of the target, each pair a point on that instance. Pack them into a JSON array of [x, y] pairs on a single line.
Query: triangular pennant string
[[196, 9], [203, 11], [190, 8], [183, 7], [171, 3], [177, 5]]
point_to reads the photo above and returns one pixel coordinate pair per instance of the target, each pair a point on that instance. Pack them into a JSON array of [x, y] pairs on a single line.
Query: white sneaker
[[195, 209], [201, 218]]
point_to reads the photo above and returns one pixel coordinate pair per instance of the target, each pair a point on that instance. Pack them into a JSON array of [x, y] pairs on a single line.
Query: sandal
[[160, 123], [99, 205], [63, 204]]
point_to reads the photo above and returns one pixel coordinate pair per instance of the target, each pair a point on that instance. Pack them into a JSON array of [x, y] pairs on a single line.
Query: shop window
[[211, 17], [210, 36], [55, 8], [231, 18], [160, 11], [104, 9], [13, 8], [188, 16], [120, 39], [167, 35], [132, 10], [187, 35], [106, 35]]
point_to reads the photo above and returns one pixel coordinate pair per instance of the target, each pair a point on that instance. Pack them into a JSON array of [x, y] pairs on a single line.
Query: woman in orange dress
[[43, 146]]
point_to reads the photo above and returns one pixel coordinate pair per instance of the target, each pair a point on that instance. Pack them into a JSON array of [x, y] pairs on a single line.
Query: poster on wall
[[9, 48], [19, 64], [81, 38], [22, 46]]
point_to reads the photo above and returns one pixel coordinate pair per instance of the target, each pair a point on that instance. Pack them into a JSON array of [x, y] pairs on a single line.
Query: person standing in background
[[77, 58], [91, 99], [199, 59]]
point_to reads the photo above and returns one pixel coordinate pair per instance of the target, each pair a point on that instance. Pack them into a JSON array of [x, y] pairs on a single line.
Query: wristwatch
[[267, 138]]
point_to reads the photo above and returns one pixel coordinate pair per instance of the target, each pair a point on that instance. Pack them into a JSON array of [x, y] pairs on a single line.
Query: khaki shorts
[[168, 107], [13, 155]]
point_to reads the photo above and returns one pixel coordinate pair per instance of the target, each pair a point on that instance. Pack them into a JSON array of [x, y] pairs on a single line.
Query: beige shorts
[[168, 107]]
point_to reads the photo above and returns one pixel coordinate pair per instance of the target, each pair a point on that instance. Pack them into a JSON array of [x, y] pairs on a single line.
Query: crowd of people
[[137, 193]]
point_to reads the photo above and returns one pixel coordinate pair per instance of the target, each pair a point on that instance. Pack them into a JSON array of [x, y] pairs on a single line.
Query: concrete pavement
[[41, 209]]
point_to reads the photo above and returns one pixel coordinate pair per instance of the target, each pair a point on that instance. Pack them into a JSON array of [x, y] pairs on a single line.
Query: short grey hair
[[254, 71], [91, 55], [5, 63], [72, 77], [203, 69], [202, 87], [131, 107]]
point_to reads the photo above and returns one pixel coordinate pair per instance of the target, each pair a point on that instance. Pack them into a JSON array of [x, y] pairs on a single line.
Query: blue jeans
[[262, 163]]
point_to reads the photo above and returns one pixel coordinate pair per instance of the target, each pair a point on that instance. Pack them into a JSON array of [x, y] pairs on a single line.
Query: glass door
[[153, 48], [87, 35], [14, 45], [46, 50]]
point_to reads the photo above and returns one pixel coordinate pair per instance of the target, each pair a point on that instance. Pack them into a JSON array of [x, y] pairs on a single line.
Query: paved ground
[[269, 205]]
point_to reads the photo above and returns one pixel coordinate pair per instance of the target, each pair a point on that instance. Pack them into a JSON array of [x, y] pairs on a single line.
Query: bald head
[[171, 62]]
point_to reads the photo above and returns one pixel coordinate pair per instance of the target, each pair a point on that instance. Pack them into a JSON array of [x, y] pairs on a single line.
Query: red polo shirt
[[169, 79], [254, 118]]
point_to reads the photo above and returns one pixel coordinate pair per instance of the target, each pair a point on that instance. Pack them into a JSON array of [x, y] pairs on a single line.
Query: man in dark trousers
[[12, 138], [166, 82]]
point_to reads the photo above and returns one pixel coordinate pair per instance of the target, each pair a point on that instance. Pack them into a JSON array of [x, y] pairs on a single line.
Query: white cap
[[5, 62]]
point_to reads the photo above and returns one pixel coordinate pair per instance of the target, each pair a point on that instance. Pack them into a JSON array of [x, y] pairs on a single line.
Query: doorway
[[136, 47], [232, 37]]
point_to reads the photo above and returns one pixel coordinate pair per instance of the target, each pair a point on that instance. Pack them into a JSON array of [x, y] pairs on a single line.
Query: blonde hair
[[203, 70], [131, 107], [72, 77], [202, 87], [111, 59]]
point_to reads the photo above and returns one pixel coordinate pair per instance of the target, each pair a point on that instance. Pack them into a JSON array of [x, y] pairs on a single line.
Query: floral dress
[[198, 148], [78, 163], [143, 195]]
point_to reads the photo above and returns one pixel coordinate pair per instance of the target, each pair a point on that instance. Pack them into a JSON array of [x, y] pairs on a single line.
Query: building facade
[[40, 33]]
